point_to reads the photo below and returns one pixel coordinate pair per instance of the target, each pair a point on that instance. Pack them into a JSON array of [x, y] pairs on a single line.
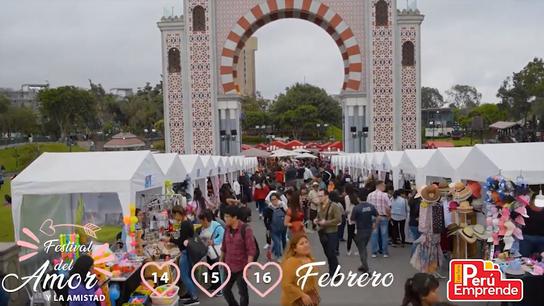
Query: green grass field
[[6, 222], [14, 160], [17, 158]]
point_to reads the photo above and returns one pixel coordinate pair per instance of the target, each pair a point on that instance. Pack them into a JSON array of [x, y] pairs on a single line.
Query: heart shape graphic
[[47, 228], [160, 266], [210, 267], [263, 267]]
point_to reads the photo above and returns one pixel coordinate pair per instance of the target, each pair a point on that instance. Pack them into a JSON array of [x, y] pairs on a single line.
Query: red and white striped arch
[[311, 10]]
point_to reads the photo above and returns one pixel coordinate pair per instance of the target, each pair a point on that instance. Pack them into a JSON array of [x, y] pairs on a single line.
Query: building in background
[[437, 121], [379, 45], [27, 96], [245, 69], [122, 93]]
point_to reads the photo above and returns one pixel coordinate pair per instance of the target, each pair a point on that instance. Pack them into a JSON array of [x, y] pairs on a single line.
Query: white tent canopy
[[283, 153], [171, 166], [210, 166], [413, 162], [377, 161], [194, 166], [391, 162], [510, 160], [220, 164], [446, 162], [64, 174]]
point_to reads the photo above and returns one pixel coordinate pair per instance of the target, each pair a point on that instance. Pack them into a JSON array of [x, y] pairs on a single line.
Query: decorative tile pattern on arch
[[175, 100], [382, 82], [409, 94], [341, 14], [200, 44]]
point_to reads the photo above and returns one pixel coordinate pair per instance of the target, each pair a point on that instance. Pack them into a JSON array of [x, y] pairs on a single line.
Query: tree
[[517, 91], [431, 98], [491, 113], [68, 107], [327, 109], [464, 96], [4, 103], [142, 110]]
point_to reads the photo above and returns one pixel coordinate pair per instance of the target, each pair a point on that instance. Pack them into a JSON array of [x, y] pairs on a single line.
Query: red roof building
[[432, 144]]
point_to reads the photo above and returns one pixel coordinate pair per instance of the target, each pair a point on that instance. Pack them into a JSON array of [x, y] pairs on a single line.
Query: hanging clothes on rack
[[428, 255]]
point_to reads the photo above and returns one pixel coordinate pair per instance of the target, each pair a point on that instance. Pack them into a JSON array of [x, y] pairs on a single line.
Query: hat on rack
[[453, 228], [452, 205], [460, 191], [443, 187], [480, 232], [476, 189], [465, 207], [467, 234], [430, 193]]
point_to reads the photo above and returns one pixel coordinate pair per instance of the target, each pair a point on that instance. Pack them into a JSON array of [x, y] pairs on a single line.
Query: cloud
[[117, 43]]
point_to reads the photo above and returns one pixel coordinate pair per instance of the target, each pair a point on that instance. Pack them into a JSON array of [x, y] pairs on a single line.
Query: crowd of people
[[294, 200]]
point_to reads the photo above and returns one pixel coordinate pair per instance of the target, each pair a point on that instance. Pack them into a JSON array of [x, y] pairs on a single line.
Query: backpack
[[278, 219], [243, 232]]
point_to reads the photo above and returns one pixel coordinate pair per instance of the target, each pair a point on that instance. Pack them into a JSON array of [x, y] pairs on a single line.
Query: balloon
[[133, 220], [126, 220], [132, 209]]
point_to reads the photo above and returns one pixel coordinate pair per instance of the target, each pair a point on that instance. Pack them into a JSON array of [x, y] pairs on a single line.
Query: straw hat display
[[467, 233], [465, 207], [460, 192], [430, 193], [444, 188]]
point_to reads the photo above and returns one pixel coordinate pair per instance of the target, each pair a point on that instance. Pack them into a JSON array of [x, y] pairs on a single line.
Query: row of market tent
[[476, 163], [55, 182]]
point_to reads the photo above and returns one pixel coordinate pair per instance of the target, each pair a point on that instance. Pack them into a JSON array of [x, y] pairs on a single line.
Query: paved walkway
[[397, 264]]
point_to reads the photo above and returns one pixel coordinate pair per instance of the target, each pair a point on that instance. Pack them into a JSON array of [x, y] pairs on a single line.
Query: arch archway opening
[[312, 11]]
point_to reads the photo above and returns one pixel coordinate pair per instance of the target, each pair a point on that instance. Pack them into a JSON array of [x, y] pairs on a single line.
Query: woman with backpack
[[277, 226]]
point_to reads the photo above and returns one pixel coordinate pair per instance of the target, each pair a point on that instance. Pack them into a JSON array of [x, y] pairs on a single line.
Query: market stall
[[171, 166], [413, 163], [445, 163], [509, 160], [391, 162], [108, 182]]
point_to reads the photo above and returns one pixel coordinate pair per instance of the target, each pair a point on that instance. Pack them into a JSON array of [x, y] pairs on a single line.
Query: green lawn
[[17, 158], [463, 142], [14, 160], [6, 223]]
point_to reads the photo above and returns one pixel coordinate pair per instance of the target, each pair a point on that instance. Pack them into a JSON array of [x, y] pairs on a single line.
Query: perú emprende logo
[[476, 280]]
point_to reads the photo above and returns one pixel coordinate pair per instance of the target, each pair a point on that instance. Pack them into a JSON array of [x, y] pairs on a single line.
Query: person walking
[[298, 253], [365, 218], [380, 235], [328, 218], [313, 198], [351, 200], [413, 221], [399, 213], [186, 232], [212, 234], [238, 249], [294, 219], [259, 195], [278, 230]]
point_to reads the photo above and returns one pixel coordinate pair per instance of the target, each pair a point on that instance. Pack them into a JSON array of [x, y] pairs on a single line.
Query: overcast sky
[[117, 43]]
